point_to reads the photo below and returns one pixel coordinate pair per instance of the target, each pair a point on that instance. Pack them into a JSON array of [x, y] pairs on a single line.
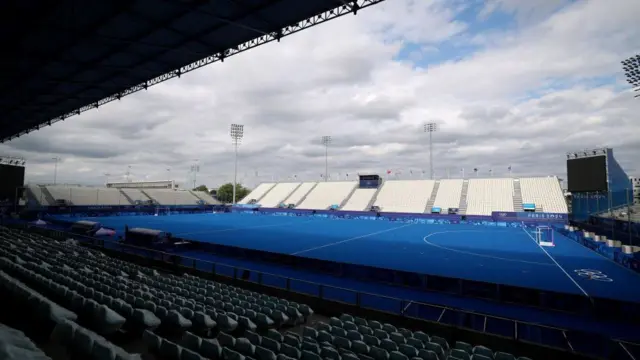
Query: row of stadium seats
[[81, 300], [102, 196], [483, 196]]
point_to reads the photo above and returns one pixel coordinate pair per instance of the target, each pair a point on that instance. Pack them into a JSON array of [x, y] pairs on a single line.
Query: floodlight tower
[[326, 140], [237, 132], [195, 168], [55, 169], [430, 128], [631, 68]]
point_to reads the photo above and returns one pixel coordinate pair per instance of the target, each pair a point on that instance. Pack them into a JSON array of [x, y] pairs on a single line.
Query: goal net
[[160, 211], [544, 236]]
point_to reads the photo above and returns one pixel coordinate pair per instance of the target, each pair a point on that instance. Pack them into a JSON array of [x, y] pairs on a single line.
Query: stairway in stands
[[517, 196], [462, 208], [129, 199], [47, 195], [147, 195], [432, 198], [375, 196], [346, 199], [305, 195]]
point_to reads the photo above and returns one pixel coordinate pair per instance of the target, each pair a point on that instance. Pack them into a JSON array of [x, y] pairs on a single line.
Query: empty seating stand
[[357, 338], [88, 297]]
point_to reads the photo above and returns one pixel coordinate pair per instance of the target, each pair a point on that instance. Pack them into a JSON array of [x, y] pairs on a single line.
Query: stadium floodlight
[[55, 169], [195, 168], [631, 67], [326, 140], [237, 132], [430, 128]]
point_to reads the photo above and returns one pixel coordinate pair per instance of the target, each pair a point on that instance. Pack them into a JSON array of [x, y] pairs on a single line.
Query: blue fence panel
[[423, 311], [383, 303], [274, 280], [338, 294], [502, 327], [305, 287]]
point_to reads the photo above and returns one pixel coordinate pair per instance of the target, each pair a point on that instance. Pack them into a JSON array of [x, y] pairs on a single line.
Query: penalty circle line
[[476, 254]]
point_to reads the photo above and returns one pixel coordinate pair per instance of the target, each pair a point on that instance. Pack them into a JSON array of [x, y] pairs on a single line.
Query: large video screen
[[587, 174], [11, 178]]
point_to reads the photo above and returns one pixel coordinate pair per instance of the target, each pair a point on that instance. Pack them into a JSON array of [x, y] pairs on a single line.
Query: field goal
[[161, 211], [544, 236]]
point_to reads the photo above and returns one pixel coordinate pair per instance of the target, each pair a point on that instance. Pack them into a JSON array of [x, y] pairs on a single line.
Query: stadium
[[372, 266]]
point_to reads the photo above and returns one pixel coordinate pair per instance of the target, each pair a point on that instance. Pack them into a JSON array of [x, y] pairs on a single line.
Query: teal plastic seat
[[335, 322], [378, 353], [264, 354], [211, 348], [308, 355], [253, 337], [226, 340], [482, 350], [466, 347], [354, 335], [427, 355], [310, 346], [290, 351], [329, 353], [359, 347], [397, 338], [460, 354], [396, 355], [244, 346], [415, 343], [346, 317], [389, 328], [170, 350], [408, 350], [187, 354], [422, 336], [271, 344], [191, 342], [388, 345], [342, 343], [503, 356], [310, 332]]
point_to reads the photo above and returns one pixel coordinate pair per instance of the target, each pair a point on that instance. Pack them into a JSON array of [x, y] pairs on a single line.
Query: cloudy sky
[[509, 82]]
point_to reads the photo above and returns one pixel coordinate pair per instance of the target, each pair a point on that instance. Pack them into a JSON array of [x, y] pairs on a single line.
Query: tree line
[[224, 193]]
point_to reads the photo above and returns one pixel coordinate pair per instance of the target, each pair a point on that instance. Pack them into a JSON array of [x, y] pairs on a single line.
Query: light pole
[[430, 128], [326, 140], [631, 67], [237, 132], [195, 168], [55, 169], [128, 173]]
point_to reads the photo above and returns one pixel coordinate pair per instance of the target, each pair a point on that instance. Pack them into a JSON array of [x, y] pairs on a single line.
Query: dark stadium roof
[[65, 57]]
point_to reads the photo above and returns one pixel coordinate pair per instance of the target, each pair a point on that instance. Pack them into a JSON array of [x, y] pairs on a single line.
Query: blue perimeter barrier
[[568, 340]]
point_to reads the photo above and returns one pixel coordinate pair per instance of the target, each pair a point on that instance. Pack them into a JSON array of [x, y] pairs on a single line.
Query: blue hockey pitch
[[500, 255]]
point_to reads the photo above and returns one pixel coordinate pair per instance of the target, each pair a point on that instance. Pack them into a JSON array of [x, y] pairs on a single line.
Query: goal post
[[544, 236]]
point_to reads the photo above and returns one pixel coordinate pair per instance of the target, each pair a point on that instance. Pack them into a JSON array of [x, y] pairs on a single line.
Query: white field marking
[[243, 228], [351, 239], [476, 254], [554, 260]]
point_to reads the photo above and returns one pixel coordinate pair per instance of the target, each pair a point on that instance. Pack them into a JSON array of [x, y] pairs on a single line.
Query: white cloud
[[523, 98]]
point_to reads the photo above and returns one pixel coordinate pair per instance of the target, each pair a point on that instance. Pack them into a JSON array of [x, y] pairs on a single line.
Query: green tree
[[202, 188], [225, 193]]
